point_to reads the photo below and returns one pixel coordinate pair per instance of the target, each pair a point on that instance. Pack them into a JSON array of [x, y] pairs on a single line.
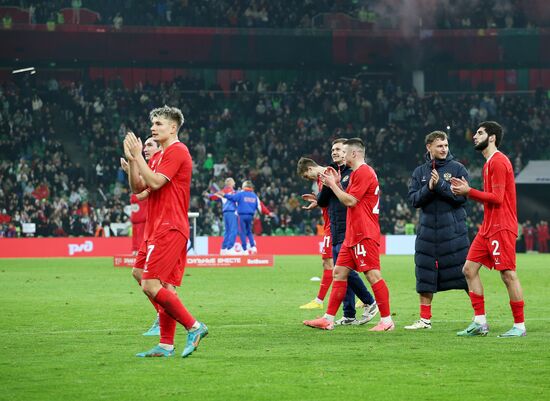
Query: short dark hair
[[171, 113], [338, 140], [432, 136], [357, 142], [303, 164], [493, 128]]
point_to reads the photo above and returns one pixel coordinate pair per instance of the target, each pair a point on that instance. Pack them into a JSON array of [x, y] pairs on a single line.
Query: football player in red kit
[[138, 218], [310, 170], [360, 250], [163, 253], [495, 244]]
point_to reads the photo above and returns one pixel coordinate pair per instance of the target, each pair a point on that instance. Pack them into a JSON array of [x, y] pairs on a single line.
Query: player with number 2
[[495, 244]]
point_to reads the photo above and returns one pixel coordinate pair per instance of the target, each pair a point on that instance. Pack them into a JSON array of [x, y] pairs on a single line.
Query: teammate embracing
[[495, 244]]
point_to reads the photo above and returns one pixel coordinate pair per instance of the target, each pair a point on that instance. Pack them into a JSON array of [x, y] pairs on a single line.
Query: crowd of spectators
[[383, 14], [60, 144]]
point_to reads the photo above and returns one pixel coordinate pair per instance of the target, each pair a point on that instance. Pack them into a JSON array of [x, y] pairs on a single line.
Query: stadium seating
[[69, 154]]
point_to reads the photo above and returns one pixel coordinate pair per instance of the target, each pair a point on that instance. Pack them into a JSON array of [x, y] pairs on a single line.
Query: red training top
[[498, 196], [168, 206], [362, 219]]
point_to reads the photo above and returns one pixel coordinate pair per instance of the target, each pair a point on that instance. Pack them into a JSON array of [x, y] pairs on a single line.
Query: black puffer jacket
[[336, 210], [442, 238]]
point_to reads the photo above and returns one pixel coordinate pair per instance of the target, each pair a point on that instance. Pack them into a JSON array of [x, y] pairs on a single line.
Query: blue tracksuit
[[229, 210], [247, 205]]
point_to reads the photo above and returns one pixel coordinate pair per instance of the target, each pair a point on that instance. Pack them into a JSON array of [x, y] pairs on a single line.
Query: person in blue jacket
[[229, 210], [442, 237], [247, 205]]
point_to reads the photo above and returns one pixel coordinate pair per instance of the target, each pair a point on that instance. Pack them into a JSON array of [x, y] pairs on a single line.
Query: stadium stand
[[61, 141], [342, 14]]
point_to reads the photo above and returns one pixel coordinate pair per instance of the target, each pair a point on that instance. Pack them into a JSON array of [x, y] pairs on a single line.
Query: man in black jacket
[[337, 213], [442, 238]]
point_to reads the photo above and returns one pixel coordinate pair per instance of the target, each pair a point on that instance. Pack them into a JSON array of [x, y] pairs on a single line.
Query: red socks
[[174, 308], [478, 303], [426, 311], [382, 296], [517, 311], [155, 305], [337, 295], [326, 281], [167, 328]]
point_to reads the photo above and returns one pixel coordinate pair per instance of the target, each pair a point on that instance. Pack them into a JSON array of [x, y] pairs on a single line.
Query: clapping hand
[[132, 146], [330, 177], [434, 179], [312, 199], [459, 186], [124, 165]]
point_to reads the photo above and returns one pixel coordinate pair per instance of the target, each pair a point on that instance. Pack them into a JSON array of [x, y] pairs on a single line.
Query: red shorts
[[496, 252], [361, 257], [137, 235], [326, 248], [163, 257]]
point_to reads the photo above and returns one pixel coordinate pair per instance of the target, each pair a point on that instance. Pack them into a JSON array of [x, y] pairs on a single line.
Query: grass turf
[[70, 329]]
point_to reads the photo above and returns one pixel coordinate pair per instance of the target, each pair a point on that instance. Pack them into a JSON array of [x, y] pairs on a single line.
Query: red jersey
[[138, 210], [498, 196], [168, 206], [154, 160], [326, 217], [362, 219]]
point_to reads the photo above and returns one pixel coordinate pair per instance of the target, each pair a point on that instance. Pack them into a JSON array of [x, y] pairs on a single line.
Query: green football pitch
[[69, 329]]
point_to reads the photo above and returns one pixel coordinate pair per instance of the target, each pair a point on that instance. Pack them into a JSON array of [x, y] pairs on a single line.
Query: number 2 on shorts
[[495, 245]]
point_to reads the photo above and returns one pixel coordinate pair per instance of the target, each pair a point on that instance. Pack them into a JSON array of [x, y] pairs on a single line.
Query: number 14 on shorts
[[360, 250]]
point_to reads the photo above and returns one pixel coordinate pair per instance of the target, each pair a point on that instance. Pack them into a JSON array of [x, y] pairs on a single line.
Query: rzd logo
[[87, 246]]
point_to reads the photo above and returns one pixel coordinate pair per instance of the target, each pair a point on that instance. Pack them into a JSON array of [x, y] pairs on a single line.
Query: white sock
[[195, 326], [319, 301], [520, 326], [480, 319], [167, 347], [386, 320], [330, 318]]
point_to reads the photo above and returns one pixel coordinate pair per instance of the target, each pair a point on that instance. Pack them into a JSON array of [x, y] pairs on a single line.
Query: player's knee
[[373, 276], [148, 289], [468, 271], [340, 273], [508, 277]]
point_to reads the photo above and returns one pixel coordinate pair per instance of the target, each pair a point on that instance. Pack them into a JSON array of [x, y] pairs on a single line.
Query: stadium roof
[[536, 172]]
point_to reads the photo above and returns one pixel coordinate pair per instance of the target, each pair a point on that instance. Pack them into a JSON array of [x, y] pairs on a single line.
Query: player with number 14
[[360, 250]]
